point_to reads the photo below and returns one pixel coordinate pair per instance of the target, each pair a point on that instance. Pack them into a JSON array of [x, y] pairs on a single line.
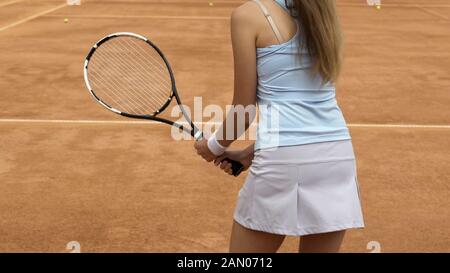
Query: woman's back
[[292, 189], [295, 107]]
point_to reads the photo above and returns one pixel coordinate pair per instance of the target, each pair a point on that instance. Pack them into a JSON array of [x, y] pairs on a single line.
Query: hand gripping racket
[[129, 75]]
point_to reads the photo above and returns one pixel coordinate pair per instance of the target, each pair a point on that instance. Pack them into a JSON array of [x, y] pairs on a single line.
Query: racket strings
[[98, 80], [109, 81], [141, 52], [134, 79], [154, 63], [155, 76], [141, 64], [129, 75], [132, 103]]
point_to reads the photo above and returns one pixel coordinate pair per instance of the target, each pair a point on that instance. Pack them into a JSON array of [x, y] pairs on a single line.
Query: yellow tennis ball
[[66, 20], [378, 7]]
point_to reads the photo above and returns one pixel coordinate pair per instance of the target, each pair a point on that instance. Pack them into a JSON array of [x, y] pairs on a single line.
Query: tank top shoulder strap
[[270, 20]]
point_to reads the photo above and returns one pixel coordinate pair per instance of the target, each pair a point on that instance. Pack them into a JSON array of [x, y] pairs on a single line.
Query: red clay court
[[70, 171]]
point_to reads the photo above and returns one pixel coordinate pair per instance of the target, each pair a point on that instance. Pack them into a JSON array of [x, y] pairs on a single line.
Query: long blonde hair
[[322, 35]]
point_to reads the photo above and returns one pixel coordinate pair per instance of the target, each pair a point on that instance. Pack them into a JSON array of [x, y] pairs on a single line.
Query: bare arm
[[243, 36]]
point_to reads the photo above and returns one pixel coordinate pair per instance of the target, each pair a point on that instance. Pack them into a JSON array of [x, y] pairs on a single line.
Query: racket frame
[[194, 132]]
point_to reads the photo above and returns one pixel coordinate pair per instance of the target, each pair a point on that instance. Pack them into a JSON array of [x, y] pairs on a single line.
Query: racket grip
[[236, 166]]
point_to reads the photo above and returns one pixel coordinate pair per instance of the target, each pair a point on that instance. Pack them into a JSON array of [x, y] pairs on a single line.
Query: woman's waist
[[281, 95], [326, 151], [298, 116]]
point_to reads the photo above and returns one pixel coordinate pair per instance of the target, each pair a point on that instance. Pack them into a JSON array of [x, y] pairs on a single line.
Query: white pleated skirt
[[301, 190]]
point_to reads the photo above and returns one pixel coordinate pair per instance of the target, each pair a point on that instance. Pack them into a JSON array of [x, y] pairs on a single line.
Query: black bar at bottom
[[220, 262]]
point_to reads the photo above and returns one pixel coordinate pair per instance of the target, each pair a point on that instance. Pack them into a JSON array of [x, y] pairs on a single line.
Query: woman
[[302, 180]]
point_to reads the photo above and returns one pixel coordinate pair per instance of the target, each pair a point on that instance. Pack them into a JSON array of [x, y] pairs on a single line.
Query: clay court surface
[[71, 171]]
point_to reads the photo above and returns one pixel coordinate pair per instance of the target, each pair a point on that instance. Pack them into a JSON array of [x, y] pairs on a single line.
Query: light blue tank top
[[294, 108]]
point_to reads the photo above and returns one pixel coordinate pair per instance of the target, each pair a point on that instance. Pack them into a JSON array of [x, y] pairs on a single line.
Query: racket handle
[[236, 166]]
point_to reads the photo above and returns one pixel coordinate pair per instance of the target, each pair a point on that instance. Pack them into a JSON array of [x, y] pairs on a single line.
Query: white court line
[[407, 126], [226, 18], [138, 122], [9, 3], [69, 121], [442, 16], [32, 17], [165, 17]]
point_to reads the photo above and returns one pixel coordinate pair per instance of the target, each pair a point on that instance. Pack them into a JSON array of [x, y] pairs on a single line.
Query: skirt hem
[[300, 231]]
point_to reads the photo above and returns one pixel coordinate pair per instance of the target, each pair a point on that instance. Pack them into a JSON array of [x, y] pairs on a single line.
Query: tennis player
[[302, 178]]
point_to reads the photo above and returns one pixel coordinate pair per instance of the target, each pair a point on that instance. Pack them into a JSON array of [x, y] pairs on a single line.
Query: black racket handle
[[236, 166]]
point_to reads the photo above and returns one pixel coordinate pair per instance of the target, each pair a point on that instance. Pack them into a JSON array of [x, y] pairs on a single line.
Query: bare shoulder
[[245, 14]]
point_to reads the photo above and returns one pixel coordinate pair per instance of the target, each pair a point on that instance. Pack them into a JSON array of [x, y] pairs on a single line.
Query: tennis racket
[[129, 75]]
